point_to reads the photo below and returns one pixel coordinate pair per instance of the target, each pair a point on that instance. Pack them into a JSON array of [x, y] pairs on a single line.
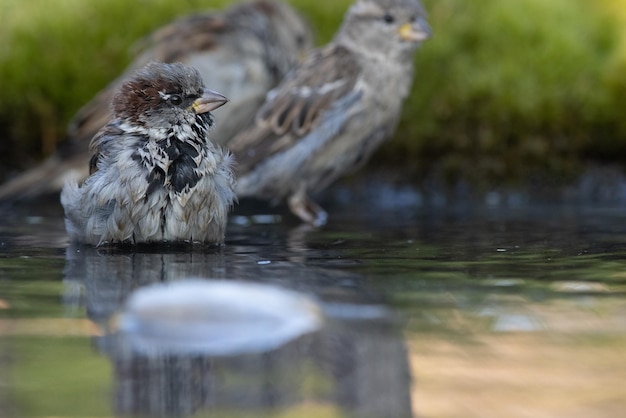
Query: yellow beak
[[414, 33], [210, 100]]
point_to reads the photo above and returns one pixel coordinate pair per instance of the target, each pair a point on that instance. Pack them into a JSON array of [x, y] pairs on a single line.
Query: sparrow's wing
[[295, 108], [181, 37], [101, 143]]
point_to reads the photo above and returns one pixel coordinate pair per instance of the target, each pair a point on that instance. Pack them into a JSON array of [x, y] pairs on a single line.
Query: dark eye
[[175, 99], [388, 18]]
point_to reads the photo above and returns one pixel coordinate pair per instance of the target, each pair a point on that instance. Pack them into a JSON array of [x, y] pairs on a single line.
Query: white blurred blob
[[215, 317]]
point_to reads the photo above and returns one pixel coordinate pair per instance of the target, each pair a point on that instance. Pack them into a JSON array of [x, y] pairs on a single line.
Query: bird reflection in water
[[355, 363]]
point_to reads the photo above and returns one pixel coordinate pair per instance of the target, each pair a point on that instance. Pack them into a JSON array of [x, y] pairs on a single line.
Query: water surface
[[430, 309]]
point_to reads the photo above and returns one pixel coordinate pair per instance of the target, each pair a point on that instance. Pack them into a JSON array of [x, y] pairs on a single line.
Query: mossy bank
[[503, 90]]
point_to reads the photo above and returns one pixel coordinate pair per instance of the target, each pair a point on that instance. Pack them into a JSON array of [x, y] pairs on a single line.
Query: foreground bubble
[[215, 317]]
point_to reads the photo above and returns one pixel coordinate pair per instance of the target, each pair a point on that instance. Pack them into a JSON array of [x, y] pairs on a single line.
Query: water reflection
[[508, 311], [356, 363]]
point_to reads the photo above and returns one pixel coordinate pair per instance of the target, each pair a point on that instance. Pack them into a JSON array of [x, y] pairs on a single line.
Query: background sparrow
[[331, 112], [155, 176], [243, 51]]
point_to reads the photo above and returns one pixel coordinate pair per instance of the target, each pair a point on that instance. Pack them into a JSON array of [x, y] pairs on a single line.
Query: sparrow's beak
[[416, 32], [210, 100]]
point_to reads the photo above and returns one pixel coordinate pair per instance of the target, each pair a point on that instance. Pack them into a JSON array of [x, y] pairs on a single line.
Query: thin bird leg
[[306, 209]]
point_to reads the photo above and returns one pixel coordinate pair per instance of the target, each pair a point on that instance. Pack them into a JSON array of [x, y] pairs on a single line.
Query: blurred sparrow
[[330, 113], [242, 51], [155, 176]]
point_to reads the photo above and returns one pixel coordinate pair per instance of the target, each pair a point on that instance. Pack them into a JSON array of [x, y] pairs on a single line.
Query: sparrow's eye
[[175, 99], [388, 18]]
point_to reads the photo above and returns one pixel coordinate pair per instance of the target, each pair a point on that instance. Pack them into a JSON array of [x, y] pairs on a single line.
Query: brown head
[[162, 95]]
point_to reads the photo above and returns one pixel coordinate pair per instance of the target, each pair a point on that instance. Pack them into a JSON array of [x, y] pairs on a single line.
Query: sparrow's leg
[[306, 209]]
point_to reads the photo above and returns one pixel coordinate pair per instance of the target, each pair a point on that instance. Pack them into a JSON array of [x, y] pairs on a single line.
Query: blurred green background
[[505, 90]]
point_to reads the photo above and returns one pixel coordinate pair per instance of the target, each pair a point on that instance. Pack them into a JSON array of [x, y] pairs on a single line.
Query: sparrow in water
[[155, 175], [242, 51], [332, 111]]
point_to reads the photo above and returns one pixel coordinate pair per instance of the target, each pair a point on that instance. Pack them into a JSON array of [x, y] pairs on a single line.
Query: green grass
[[504, 88], [507, 87]]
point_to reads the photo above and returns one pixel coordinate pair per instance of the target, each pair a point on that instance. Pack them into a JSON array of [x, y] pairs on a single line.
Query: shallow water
[[493, 309]]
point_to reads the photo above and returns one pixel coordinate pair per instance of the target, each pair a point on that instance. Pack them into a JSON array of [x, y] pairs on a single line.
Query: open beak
[[416, 32], [210, 100]]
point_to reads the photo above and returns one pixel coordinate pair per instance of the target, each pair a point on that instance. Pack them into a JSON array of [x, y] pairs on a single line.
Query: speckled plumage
[[155, 175], [329, 115]]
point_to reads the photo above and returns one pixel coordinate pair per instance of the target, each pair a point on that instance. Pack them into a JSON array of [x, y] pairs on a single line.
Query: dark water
[[431, 309]]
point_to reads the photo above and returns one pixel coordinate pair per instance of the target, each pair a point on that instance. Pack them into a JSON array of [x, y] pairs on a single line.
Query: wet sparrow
[[331, 112], [242, 51], [155, 175]]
